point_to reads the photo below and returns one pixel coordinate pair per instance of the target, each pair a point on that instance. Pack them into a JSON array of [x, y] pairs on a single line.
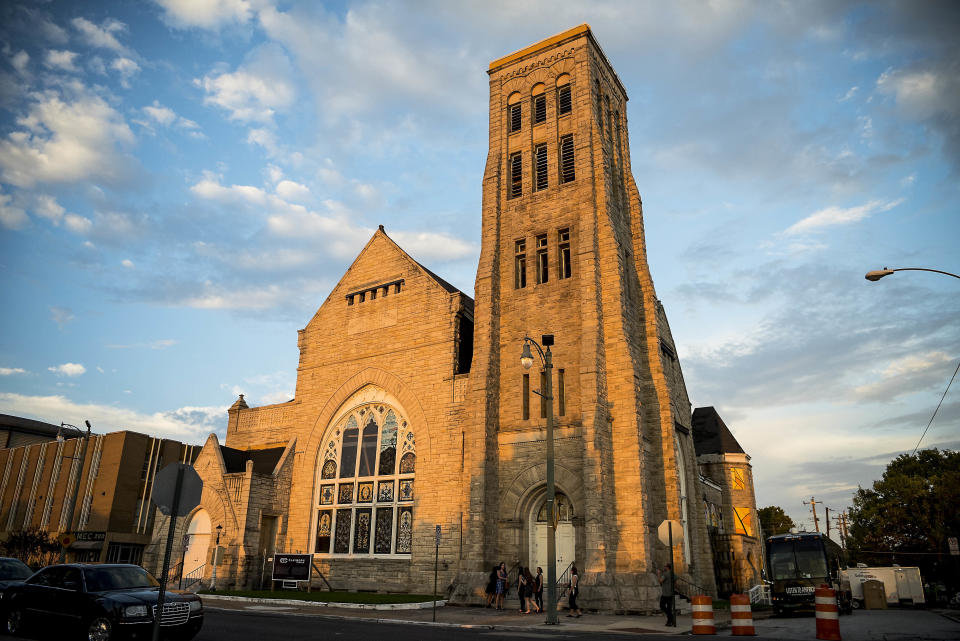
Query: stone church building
[[412, 409]]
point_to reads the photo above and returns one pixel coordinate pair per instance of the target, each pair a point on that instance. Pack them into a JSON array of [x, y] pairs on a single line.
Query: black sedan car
[[99, 603], [12, 571]]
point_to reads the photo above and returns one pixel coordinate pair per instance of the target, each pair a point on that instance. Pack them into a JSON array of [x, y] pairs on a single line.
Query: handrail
[[193, 577], [563, 581], [760, 593], [691, 587], [175, 573], [322, 578], [515, 571]]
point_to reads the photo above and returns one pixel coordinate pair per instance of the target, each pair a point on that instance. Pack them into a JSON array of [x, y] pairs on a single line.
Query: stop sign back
[[165, 484]]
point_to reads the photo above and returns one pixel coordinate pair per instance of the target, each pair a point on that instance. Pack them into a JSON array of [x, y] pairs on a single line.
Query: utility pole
[[813, 506], [843, 521], [828, 521]]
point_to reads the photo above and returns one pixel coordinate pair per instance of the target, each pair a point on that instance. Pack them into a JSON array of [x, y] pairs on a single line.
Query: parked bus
[[797, 564]]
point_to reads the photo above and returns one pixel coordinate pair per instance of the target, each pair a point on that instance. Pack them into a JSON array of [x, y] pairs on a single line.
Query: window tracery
[[365, 499]]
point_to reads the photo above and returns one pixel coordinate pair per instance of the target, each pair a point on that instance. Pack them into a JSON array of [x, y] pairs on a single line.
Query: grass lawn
[[332, 597]]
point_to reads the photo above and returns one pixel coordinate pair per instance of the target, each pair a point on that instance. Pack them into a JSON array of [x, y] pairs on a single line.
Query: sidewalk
[[474, 617]]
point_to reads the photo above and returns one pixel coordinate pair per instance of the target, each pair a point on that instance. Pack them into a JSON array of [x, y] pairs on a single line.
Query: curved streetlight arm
[[877, 274], [529, 341]]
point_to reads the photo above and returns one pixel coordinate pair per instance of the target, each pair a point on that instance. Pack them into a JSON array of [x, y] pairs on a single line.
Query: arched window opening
[[369, 511], [564, 511]]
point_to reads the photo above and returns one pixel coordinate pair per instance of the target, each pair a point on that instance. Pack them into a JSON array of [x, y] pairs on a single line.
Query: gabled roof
[[711, 435], [264, 461]]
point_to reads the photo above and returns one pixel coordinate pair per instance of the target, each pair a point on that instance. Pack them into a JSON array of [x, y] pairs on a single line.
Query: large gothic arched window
[[365, 499]]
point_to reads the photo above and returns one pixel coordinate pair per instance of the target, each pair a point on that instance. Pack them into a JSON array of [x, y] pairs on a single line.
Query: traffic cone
[[741, 618], [703, 615], [828, 615]]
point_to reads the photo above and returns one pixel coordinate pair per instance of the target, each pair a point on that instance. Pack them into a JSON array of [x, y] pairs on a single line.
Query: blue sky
[[182, 182]]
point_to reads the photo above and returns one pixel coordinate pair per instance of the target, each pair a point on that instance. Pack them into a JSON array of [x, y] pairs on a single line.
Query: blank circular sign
[[165, 484]]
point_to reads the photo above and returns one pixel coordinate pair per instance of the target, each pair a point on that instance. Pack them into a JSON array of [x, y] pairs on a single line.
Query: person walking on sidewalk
[[575, 610], [501, 588], [538, 589], [665, 576], [492, 586], [522, 587]]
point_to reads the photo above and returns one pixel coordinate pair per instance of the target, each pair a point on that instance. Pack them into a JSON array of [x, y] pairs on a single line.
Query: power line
[[938, 407]]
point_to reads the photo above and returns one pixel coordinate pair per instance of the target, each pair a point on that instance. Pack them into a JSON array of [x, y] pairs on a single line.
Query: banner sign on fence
[[292, 567]]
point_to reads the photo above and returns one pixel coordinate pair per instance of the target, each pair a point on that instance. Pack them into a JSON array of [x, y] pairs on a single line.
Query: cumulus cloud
[[289, 190], [11, 215], [10, 371], [47, 207], [126, 67], [66, 139], [160, 114], [205, 14], [60, 59], [256, 90], [190, 424], [102, 36], [435, 245], [79, 225], [20, 60], [830, 216], [68, 369], [126, 262], [61, 316]]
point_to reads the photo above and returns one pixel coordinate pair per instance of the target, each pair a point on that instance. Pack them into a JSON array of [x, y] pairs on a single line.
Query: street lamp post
[[216, 555], [877, 274], [76, 487], [526, 359]]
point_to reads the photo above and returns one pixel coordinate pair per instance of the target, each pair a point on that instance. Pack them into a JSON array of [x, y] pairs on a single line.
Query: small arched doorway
[[540, 530], [198, 541]]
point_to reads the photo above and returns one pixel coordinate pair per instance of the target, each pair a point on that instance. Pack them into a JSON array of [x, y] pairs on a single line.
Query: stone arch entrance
[[198, 542], [538, 529]]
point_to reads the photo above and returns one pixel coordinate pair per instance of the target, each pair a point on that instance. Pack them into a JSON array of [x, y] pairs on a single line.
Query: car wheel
[[855, 604], [15, 622], [100, 629]]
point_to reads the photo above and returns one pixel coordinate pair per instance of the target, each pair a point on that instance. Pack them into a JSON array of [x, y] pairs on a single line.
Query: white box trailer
[[902, 585]]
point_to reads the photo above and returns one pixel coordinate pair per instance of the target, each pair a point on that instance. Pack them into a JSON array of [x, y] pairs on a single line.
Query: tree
[[907, 516], [774, 520], [33, 546]]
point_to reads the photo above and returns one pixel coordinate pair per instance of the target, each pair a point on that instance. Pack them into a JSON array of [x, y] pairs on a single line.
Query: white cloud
[[47, 207], [61, 316], [190, 424], [256, 90], [63, 140], [850, 94], [289, 190], [905, 375], [840, 216], [126, 68], [266, 139], [206, 14], [101, 36], [126, 262], [12, 216], [68, 369], [59, 59], [10, 371], [211, 189], [78, 224], [436, 245], [20, 60], [160, 114]]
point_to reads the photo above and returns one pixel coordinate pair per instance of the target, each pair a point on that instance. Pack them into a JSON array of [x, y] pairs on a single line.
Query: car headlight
[[133, 611], [195, 605]]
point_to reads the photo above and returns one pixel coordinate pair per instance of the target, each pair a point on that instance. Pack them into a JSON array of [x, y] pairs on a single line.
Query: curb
[[424, 605]]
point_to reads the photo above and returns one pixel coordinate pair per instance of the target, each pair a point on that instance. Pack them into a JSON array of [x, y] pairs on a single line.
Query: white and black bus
[[797, 564]]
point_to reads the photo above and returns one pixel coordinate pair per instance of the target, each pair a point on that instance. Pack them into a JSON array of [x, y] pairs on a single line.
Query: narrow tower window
[[520, 265], [561, 397], [516, 176], [515, 117], [563, 250], [567, 171], [564, 104], [539, 109], [543, 263], [541, 181]]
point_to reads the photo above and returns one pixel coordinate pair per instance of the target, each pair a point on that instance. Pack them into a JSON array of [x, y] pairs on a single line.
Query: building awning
[[87, 545]]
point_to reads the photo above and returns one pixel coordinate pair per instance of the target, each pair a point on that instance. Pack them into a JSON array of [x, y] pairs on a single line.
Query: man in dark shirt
[[665, 576]]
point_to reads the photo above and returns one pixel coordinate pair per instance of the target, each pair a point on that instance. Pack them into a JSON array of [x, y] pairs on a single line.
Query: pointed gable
[[711, 435]]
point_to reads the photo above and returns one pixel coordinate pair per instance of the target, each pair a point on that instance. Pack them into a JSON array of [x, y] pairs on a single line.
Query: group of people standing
[[529, 589]]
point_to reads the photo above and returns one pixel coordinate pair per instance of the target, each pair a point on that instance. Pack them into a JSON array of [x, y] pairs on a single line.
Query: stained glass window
[[388, 444], [368, 450], [368, 442], [329, 469], [381, 543], [361, 532], [404, 530], [348, 452], [341, 542]]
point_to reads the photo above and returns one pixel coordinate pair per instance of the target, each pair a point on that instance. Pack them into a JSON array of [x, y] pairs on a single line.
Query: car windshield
[[118, 578], [13, 570]]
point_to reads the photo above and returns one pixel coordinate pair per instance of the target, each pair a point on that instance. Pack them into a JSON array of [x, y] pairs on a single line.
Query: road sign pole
[[673, 597], [436, 571], [166, 554]]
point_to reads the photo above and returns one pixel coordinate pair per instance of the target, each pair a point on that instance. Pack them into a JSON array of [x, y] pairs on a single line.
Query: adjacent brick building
[[412, 409], [115, 481]]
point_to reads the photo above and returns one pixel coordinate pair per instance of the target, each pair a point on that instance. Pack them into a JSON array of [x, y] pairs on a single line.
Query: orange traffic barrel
[[741, 618], [703, 615], [828, 614]]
